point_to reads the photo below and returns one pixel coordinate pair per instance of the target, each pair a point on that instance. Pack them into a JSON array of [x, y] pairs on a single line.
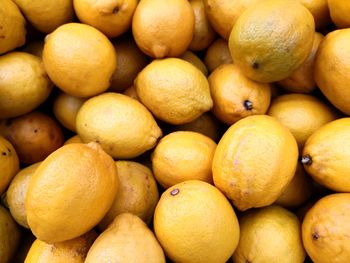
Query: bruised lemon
[[73, 251]]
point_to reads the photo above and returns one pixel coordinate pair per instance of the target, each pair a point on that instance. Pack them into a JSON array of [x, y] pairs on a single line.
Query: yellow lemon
[[70, 192], [268, 43], [255, 161], [174, 90], [12, 27], [269, 234], [326, 155], [48, 15], [332, 66], [73, 55], [24, 84], [9, 163], [194, 222], [163, 28], [182, 156], [326, 229], [111, 17], [137, 193], [235, 96], [128, 129]]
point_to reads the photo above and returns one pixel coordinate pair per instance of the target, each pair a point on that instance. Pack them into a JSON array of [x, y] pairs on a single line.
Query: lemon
[[194, 222], [195, 61], [182, 156], [301, 114], [17, 192], [9, 236], [128, 129], [24, 84], [205, 124], [131, 92], [127, 239], [130, 61], [112, 18], [326, 229], [47, 16], [302, 79], [203, 33], [331, 69], [137, 193], [326, 154], [72, 251], [73, 55], [268, 43], [34, 135], [235, 96], [12, 27], [223, 14], [217, 54], [174, 90], [320, 11], [73, 139], [269, 234], [9, 163], [254, 161], [70, 192], [298, 190], [65, 108], [339, 11], [163, 28]]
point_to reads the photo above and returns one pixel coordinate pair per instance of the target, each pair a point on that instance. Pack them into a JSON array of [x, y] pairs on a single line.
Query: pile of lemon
[[186, 131]]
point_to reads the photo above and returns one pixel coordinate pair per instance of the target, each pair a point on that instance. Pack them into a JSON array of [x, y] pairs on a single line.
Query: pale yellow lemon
[[24, 84], [126, 131]]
